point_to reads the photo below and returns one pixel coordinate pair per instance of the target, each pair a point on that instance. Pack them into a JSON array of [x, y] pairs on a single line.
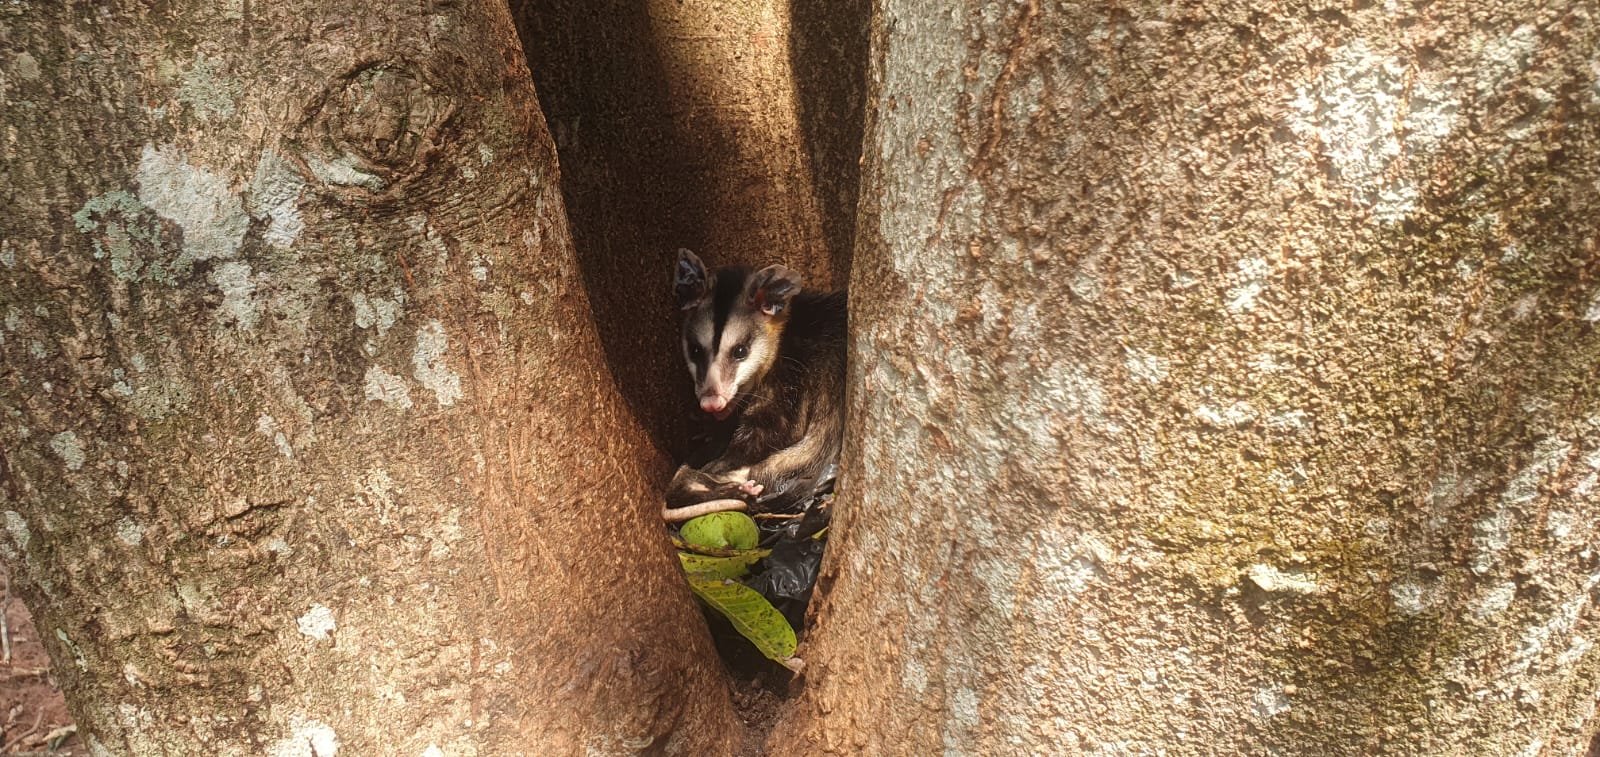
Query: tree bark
[[308, 440], [1223, 380]]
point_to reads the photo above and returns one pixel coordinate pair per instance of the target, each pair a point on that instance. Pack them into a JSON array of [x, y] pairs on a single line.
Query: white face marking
[[703, 330], [735, 372], [725, 374], [752, 362], [697, 334]]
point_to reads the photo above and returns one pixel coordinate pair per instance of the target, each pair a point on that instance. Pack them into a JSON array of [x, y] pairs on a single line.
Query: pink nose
[[713, 404]]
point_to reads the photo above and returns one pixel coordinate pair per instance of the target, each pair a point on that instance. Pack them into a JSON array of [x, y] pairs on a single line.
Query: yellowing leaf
[[721, 567], [750, 613]]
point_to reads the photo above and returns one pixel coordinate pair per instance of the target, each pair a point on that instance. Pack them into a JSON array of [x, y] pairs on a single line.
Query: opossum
[[771, 356]]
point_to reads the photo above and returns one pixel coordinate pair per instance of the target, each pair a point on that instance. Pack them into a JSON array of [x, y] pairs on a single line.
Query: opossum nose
[[713, 404]]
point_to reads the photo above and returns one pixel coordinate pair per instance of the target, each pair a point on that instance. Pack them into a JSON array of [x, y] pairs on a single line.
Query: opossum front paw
[[750, 488]]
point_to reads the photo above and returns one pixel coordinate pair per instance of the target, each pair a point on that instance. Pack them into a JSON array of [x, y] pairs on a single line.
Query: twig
[[778, 516], [23, 673], [5, 625], [25, 734], [676, 514], [54, 739]]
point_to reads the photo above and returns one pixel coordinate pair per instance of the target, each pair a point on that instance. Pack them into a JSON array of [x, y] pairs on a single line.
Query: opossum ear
[[772, 288], [689, 281]]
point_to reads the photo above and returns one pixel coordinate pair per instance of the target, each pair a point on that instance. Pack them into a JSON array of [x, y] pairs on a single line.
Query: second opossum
[[770, 355]]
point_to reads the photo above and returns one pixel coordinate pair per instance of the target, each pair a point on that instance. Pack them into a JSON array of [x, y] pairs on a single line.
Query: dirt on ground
[[33, 717], [758, 707]]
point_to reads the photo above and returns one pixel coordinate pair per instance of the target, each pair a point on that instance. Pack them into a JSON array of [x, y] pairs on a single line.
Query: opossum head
[[732, 324]]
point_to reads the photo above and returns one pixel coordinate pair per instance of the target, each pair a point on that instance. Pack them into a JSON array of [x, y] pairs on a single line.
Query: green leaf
[[750, 613], [677, 541], [722, 530], [721, 567]]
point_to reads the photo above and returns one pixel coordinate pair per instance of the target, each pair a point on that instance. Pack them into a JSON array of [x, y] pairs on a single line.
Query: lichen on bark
[[1226, 365], [295, 383]]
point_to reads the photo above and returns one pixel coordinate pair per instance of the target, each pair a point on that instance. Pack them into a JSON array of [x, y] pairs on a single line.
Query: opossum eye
[[740, 352], [695, 353]]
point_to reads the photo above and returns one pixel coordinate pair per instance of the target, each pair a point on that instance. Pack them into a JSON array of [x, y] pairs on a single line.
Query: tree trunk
[[733, 129], [1223, 381], [308, 440]]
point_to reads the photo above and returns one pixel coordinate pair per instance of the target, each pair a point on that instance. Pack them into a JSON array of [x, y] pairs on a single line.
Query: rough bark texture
[[308, 443], [731, 128], [1223, 381]]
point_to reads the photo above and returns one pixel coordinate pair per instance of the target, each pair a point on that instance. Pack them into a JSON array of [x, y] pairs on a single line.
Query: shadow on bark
[[637, 186], [625, 177], [828, 49]]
